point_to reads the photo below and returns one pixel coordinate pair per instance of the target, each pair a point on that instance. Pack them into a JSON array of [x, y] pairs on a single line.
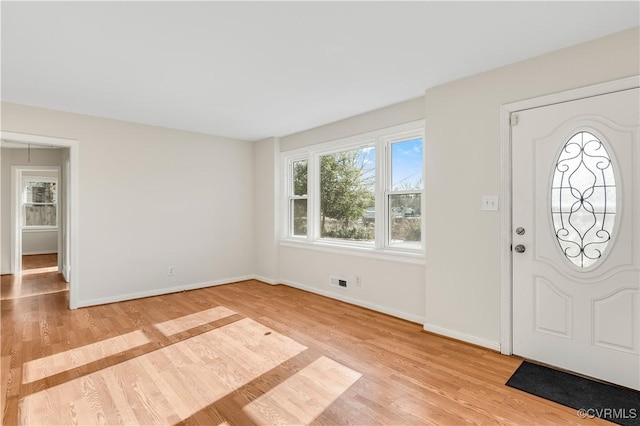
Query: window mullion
[[381, 204], [313, 202]]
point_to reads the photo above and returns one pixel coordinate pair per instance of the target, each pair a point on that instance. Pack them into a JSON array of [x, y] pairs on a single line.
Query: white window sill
[[354, 250], [40, 229]]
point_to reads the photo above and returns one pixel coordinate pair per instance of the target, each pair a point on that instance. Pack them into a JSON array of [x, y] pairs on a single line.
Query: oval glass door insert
[[583, 199]]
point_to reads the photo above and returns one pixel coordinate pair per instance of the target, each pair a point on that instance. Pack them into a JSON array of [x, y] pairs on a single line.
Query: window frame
[[389, 191], [291, 196], [368, 142], [382, 140], [26, 179]]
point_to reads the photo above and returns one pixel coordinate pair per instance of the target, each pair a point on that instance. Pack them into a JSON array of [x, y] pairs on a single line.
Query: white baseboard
[[266, 280], [464, 337], [357, 302], [160, 291], [379, 308], [33, 253]]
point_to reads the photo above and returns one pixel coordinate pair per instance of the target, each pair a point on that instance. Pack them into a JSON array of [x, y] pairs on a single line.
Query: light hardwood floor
[[39, 276], [246, 353]]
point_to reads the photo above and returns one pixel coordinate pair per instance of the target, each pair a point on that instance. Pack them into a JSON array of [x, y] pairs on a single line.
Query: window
[[404, 193], [39, 202], [583, 199], [361, 192], [347, 189], [298, 198]]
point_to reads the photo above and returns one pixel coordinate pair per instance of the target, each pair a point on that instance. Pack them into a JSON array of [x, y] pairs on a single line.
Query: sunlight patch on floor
[[178, 325], [39, 270], [32, 294], [304, 396], [5, 379], [165, 386], [73, 358]]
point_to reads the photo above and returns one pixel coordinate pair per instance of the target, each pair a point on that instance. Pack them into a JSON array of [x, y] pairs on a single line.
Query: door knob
[[520, 248]]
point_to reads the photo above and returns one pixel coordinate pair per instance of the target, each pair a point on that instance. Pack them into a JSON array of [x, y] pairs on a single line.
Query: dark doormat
[[589, 398]]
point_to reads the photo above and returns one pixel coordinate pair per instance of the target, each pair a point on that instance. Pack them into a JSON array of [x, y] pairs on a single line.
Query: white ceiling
[[251, 70]]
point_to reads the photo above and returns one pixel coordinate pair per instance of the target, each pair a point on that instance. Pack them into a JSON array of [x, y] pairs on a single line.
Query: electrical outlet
[[171, 271], [358, 281]]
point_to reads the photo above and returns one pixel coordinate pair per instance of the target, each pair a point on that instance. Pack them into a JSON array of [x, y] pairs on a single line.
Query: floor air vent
[[338, 282]]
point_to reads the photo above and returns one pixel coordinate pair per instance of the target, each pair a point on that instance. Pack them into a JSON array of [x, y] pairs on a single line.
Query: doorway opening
[[40, 209], [39, 276]]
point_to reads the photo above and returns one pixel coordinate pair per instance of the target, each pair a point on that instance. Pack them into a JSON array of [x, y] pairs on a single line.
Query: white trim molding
[[506, 279], [18, 175], [478, 341], [266, 280], [162, 291], [34, 253], [374, 307]]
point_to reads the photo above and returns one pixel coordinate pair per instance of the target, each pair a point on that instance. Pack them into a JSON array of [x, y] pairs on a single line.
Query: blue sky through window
[[367, 160], [406, 164]]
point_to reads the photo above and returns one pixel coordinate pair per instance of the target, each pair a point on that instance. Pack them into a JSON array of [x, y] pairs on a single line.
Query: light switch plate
[[489, 203]]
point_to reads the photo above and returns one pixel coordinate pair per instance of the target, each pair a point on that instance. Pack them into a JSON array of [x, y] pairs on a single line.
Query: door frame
[[506, 255], [73, 213], [17, 175]]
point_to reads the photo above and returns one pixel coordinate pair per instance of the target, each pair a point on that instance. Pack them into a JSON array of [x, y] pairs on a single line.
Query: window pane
[[405, 218], [300, 177], [406, 165], [40, 215], [41, 192], [299, 214], [347, 189], [583, 199]]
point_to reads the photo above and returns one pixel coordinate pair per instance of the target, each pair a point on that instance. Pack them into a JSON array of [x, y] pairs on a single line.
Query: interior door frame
[[506, 236], [73, 189], [17, 178]]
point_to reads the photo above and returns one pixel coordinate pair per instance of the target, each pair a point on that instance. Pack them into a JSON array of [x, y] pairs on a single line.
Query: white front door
[[576, 236]]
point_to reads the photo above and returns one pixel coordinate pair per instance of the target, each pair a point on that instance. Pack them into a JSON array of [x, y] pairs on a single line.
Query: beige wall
[[463, 163], [399, 113], [266, 178], [150, 198]]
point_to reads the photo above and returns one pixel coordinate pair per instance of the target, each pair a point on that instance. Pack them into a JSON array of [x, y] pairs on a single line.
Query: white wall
[[19, 157], [150, 198], [463, 163], [403, 112], [265, 167], [393, 287], [39, 241]]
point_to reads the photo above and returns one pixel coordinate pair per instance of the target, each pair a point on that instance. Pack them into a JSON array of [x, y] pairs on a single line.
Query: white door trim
[[17, 175], [73, 187], [506, 276]]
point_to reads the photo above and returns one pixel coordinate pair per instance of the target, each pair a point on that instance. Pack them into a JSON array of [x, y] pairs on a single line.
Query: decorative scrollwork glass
[[583, 199]]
